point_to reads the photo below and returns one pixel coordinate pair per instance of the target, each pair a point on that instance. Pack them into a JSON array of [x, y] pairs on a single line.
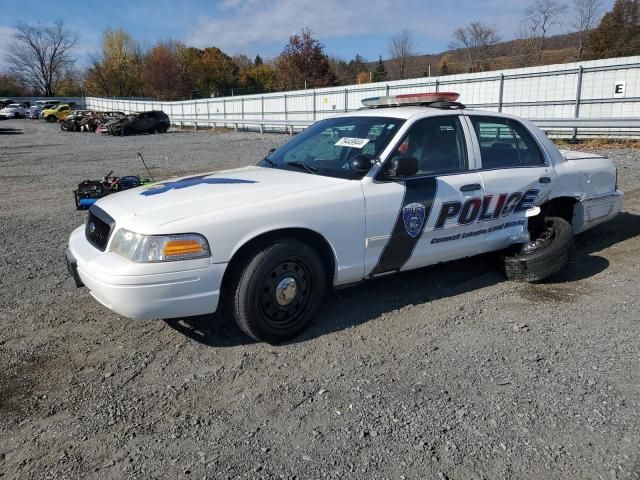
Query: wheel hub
[[286, 291]]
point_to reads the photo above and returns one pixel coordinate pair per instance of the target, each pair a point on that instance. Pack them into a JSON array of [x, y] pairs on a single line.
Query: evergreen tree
[[258, 60], [380, 73], [618, 34]]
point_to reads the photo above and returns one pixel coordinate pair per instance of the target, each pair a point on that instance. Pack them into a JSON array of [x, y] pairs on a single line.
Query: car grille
[[98, 228]]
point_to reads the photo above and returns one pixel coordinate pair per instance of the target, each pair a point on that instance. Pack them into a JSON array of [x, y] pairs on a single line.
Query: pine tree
[[258, 60], [380, 73], [618, 34]]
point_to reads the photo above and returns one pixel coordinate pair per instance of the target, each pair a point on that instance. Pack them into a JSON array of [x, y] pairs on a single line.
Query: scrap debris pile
[[115, 123]]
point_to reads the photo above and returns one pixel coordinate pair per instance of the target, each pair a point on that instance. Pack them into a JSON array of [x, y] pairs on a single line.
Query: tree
[[258, 60], [39, 55], [443, 64], [476, 39], [241, 60], [586, 15], [402, 50], [162, 73], [10, 86], [71, 84], [363, 77], [258, 78], [212, 70], [540, 18], [304, 63], [380, 73], [116, 70], [618, 34]]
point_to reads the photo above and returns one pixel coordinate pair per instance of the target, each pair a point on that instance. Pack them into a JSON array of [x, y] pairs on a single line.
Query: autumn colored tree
[[618, 34], [71, 84], [209, 70], [258, 78], [10, 86], [444, 64], [116, 70], [162, 73], [303, 62]]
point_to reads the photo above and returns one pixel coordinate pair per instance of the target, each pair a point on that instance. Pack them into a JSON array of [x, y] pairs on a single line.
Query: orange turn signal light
[[182, 247]]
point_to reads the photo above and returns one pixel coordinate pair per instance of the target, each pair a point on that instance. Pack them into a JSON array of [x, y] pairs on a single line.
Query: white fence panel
[[584, 90]]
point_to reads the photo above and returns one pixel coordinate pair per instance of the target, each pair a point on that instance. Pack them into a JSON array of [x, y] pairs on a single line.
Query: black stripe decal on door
[[413, 216]]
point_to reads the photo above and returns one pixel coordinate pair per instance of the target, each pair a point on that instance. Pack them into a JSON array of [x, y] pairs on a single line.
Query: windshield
[[326, 147]]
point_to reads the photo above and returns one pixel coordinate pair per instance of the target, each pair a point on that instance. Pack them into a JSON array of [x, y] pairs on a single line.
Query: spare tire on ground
[[544, 256]]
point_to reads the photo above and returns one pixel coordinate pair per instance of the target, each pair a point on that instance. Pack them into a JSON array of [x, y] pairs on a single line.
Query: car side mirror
[[401, 167], [361, 163]]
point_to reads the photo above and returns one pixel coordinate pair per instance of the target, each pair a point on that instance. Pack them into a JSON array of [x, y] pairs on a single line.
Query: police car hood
[[178, 198]]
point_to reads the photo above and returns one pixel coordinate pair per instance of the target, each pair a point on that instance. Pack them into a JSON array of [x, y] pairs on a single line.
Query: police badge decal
[[413, 215]]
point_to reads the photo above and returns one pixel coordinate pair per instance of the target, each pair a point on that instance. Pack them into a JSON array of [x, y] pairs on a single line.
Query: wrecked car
[[141, 122]]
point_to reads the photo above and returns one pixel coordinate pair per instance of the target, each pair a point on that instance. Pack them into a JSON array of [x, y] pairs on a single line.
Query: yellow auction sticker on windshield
[[352, 142]]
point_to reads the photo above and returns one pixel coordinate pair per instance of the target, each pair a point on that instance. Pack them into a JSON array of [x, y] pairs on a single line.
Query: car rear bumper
[[144, 291], [594, 211]]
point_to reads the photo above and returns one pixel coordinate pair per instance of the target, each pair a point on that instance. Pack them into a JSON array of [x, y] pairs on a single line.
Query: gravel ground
[[448, 372]]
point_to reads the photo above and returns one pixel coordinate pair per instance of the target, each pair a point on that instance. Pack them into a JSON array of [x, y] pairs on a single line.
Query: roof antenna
[[145, 166]]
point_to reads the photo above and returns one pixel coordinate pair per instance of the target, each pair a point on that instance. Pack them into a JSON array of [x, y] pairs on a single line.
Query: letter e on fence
[[619, 89]]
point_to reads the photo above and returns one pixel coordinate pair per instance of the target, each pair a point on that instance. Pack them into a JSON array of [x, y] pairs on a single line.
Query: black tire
[[51, 118], [555, 245], [257, 296]]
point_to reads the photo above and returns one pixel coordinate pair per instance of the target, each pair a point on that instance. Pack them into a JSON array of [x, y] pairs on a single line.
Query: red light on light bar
[[411, 99]]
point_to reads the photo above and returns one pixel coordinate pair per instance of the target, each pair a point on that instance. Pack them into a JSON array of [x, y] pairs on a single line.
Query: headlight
[[159, 248]]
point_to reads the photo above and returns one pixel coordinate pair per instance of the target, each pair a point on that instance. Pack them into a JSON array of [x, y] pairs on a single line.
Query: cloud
[[241, 25], [6, 35]]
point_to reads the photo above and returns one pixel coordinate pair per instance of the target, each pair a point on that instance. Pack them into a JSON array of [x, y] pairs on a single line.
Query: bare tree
[[526, 45], [587, 13], [401, 49], [476, 39], [40, 55], [541, 17]]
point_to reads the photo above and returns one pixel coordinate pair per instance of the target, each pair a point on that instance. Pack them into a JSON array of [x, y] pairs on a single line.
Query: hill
[[508, 54]]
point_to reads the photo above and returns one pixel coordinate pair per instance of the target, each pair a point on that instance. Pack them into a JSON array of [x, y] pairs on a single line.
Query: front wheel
[[275, 294], [544, 256], [51, 118]]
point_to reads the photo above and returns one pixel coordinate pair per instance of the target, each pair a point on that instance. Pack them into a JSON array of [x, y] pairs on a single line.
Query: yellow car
[[56, 113]]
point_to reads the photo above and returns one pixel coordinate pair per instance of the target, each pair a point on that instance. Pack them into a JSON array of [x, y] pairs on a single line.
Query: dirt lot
[[443, 373]]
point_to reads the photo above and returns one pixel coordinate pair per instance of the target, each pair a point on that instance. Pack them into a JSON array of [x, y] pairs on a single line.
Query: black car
[[142, 122]]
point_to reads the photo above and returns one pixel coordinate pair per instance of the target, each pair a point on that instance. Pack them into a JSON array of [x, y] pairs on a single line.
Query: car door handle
[[471, 187], [544, 180]]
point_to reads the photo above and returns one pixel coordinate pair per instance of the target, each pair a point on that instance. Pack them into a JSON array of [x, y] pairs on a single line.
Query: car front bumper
[[144, 291]]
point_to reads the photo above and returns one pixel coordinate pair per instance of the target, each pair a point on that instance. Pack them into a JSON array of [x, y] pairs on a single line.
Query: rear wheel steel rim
[[286, 292]]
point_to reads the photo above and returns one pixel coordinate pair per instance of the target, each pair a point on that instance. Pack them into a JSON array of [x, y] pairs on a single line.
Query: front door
[[429, 217]]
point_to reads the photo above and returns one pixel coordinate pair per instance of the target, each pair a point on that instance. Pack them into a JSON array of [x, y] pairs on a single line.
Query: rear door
[[425, 219], [515, 174]]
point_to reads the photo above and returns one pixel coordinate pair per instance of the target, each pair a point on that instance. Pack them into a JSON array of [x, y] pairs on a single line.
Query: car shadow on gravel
[[10, 131], [354, 306]]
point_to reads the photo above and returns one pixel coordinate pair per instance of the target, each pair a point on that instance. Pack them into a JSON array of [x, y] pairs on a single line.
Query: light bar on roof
[[410, 99]]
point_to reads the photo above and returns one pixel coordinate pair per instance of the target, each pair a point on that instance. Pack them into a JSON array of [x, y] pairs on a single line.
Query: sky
[[345, 27]]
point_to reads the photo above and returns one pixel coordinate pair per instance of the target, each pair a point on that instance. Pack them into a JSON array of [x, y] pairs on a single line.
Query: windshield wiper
[[308, 168], [268, 160]]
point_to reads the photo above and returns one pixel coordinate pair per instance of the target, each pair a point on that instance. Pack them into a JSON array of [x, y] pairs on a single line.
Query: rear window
[[505, 143]]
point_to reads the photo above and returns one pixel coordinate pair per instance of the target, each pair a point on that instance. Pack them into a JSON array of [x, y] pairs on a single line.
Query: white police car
[[411, 181]]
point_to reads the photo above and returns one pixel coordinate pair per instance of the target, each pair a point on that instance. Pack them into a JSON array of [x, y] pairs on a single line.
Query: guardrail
[[560, 127], [287, 125]]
